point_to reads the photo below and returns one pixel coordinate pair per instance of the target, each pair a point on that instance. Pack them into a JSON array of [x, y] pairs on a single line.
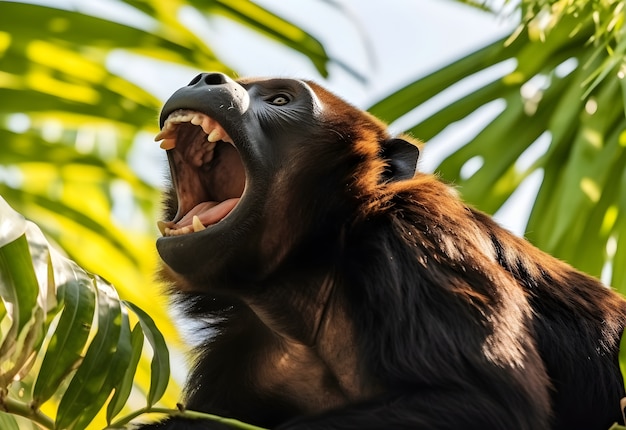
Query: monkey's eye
[[278, 99]]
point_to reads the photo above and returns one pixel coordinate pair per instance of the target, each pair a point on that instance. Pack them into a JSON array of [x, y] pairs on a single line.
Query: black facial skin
[[229, 103], [280, 130], [346, 290]]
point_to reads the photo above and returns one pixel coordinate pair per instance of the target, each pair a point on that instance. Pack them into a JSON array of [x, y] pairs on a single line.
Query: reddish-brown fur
[[348, 298]]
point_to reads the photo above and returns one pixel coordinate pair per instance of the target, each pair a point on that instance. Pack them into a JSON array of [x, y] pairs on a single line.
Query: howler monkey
[[345, 290]]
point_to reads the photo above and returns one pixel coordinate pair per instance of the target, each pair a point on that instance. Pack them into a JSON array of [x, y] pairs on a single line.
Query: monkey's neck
[[311, 340], [294, 311]]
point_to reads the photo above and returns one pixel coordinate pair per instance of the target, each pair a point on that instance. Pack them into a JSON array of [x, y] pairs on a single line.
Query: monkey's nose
[[209, 79]]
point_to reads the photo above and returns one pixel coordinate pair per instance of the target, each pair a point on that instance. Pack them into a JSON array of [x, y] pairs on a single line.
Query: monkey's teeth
[[165, 227], [179, 116], [197, 224], [178, 231], [215, 135], [213, 130], [168, 144], [166, 133], [169, 228]]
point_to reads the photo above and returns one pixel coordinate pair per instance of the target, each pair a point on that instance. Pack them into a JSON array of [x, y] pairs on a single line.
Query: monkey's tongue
[[207, 213]]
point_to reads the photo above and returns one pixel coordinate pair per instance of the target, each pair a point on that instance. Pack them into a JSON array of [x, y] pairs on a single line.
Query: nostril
[[195, 80], [214, 79], [209, 79]]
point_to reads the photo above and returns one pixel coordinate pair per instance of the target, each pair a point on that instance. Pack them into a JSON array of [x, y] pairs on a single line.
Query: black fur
[[342, 294]]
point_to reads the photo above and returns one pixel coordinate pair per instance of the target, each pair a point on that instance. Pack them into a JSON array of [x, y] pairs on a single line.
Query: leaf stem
[[22, 409], [186, 414], [128, 418]]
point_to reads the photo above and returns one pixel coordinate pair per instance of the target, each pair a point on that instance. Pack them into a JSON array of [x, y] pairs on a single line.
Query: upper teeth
[[213, 130]]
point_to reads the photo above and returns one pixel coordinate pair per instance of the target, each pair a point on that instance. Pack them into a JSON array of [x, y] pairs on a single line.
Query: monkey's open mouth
[[207, 171]]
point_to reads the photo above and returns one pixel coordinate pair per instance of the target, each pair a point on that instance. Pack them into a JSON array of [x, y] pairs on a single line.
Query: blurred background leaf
[[72, 134]]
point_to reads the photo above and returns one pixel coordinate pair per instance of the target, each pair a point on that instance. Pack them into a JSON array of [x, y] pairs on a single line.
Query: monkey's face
[[261, 169]]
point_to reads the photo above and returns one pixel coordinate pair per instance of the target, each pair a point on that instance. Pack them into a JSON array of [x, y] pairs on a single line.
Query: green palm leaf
[[70, 337], [566, 86]]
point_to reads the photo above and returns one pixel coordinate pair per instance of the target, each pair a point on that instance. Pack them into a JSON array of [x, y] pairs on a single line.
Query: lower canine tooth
[[197, 224]]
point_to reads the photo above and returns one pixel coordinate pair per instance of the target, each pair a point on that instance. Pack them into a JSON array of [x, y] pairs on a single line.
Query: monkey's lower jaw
[[197, 219]]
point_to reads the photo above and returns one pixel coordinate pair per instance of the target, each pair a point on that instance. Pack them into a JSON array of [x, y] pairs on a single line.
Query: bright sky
[[391, 43], [405, 39]]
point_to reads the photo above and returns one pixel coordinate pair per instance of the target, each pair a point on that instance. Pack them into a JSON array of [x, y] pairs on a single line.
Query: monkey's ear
[[401, 157]]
